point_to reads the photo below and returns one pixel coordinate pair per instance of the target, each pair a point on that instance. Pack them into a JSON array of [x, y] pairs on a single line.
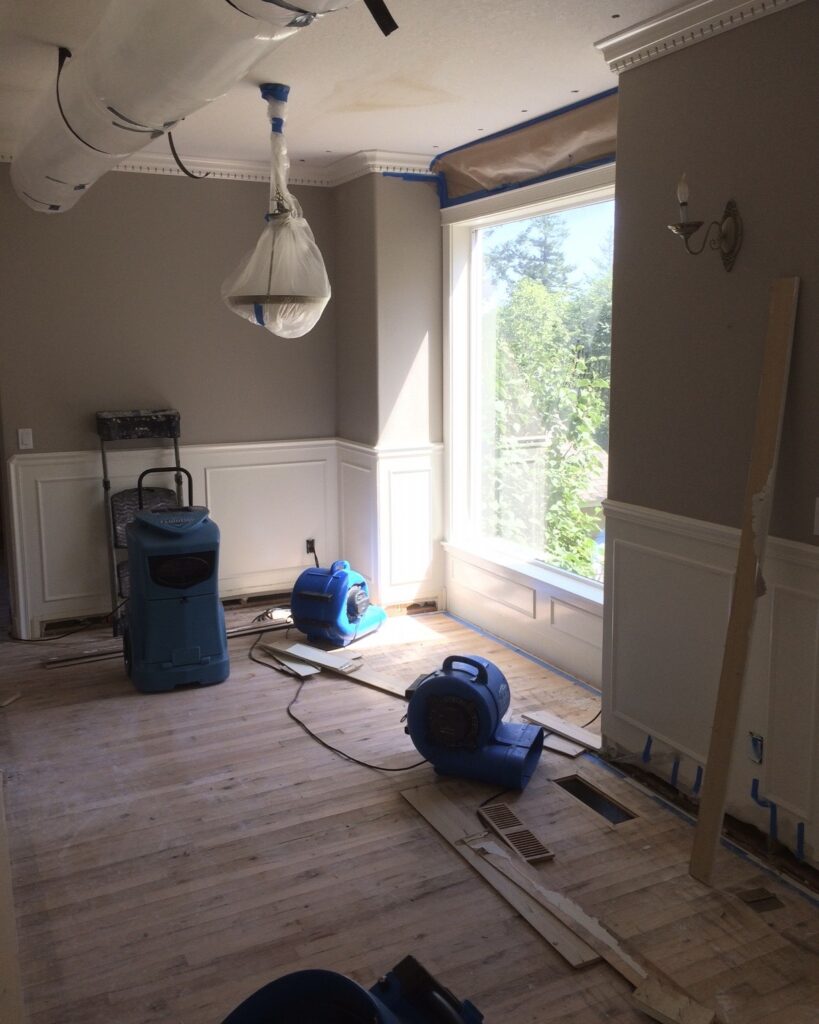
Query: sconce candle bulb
[[682, 197], [727, 238]]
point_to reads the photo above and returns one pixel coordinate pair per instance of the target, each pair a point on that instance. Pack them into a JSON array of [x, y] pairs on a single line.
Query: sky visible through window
[[587, 226]]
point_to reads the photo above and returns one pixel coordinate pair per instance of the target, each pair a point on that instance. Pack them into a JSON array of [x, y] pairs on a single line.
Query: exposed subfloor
[[172, 853]]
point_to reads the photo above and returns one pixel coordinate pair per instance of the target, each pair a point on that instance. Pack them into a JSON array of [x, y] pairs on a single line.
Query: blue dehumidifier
[[175, 624]]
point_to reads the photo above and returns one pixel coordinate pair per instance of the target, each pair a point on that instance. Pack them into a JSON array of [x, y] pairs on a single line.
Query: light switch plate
[[25, 438]]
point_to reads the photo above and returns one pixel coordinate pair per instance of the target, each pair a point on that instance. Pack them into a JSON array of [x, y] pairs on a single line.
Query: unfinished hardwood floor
[[171, 853]]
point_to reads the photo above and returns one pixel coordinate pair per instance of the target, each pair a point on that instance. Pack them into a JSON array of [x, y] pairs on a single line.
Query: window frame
[[583, 188]]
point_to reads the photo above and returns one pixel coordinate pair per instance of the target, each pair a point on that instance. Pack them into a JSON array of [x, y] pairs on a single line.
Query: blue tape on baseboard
[[258, 312], [769, 804], [697, 781], [675, 771], [645, 757], [725, 842], [800, 841]]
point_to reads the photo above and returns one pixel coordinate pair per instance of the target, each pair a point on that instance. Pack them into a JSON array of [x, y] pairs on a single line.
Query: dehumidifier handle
[[479, 664], [165, 469]]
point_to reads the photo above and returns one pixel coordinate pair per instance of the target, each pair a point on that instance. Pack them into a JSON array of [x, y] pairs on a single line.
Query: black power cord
[[328, 746]]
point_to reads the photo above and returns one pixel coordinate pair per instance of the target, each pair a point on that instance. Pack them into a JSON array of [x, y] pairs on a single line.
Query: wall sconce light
[[727, 237]]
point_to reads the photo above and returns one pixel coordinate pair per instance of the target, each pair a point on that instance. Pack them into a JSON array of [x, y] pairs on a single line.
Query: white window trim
[[581, 189]]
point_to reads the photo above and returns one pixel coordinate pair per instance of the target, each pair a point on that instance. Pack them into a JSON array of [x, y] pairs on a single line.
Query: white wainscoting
[[379, 510], [548, 613], [668, 592], [400, 489]]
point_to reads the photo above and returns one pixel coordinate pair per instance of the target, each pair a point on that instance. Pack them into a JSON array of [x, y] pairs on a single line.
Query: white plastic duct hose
[[148, 64]]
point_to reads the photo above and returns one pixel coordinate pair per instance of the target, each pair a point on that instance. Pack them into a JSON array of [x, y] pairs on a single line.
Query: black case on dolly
[[120, 508]]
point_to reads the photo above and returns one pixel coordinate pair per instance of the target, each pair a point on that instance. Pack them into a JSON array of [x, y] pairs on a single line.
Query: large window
[[538, 290]]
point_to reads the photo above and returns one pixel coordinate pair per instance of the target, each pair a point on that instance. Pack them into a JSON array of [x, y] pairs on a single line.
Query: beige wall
[[354, 290], [388, 311], [410, 356], [738, 114], [116, 304]]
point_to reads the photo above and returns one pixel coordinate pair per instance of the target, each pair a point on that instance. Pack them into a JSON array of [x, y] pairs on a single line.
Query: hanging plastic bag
[[282, 284]]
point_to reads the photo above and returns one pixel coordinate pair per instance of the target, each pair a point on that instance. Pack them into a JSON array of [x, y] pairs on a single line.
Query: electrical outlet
[[25, 439], [757, 747], [310, 546]]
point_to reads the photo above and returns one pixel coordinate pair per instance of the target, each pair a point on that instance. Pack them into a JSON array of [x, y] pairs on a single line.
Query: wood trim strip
[[748, 582]]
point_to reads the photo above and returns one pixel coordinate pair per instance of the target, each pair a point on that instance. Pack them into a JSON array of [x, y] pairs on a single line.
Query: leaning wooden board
[[11, 989], [748, 581]]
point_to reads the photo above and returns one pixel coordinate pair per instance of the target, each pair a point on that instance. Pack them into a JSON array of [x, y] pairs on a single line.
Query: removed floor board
[[352, 669], [456, 825], [575, 733], [748, 584], [296, 668], [562, 746], [11, 991]]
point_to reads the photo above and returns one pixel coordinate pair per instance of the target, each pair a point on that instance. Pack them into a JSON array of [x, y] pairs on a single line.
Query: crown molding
[[372, 161], [683, 26]]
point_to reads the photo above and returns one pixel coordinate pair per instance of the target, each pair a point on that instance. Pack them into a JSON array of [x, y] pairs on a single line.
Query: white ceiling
[[453, 71]]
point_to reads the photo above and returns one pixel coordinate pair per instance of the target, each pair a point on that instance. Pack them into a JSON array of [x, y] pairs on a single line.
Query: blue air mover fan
[[455, 721], [175, 623], [334, 605], [407, 995]]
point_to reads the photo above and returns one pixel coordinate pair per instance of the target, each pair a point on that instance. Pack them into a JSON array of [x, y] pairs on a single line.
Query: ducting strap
[[380, 12]]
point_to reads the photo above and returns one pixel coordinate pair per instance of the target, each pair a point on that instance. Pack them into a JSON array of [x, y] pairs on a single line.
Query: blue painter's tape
[[645, 757], [258, 312], [275, 91], [697, 781], [800, 841], [675, 771], [412, 176], [771, 806], [277, 125], [728, 844]]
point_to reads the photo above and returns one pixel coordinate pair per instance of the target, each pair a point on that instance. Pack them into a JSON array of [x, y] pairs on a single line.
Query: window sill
[[585, 594]]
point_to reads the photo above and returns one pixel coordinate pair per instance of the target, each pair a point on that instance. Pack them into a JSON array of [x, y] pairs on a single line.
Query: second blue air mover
[[175, 623], [333, 605], [455, 721]]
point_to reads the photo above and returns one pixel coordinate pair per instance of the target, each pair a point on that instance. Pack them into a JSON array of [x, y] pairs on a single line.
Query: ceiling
[[454, 71]]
